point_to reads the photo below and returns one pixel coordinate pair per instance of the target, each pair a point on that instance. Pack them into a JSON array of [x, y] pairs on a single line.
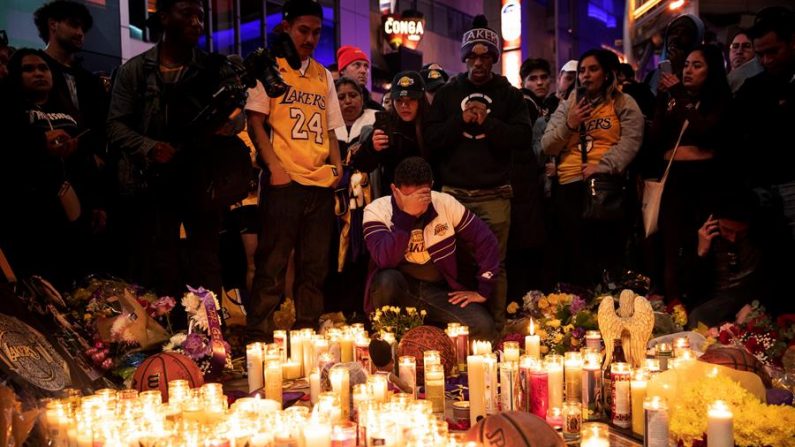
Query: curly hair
[[60, 10], [413, 171]]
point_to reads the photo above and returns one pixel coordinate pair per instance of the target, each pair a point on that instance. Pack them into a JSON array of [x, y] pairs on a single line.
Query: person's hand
[[464, 297], [550, 169], [706, 234], [589, 170], [413, 204], [162, 152], [475, 112], [338, 180], [60, 143], [578, 114], [667, 81], [380, 140], [279, 176]]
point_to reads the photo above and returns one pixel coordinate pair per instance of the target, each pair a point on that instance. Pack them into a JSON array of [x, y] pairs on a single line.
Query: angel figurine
[[633, 324]]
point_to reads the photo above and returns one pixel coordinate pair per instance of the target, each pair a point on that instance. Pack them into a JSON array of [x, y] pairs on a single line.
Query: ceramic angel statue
[[632, 323]]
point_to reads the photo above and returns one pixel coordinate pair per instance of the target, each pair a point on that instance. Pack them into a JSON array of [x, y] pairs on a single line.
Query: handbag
[[653, 190], [605, 194]]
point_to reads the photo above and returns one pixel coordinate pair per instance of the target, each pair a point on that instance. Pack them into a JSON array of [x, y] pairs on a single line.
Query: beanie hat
[[297, 8], [480, 39], [348, 54], [407, 83], [434, 76]]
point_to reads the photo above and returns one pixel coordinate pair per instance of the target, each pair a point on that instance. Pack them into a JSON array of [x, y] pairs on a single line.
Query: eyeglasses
[[738, 45]]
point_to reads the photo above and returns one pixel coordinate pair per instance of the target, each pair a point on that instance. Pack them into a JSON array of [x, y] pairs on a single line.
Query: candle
[[539, 390], [510, 351], [490, 383], [656, 422], [314, 386], [434, 386], [481, 347], [341, 385], [526, 362], [343, 434], [407, 371], [573, 376], [254, 366], [317, 435], [638, 397], [346, 348], [362, 353], [291, 370], [309, 354], [572, 421], [555, 417], [273, 380], [663, 353], [595, 435], [477, 388], [462, 347], [280, 338], [720, 425], [260, 440], [680, 343], [554, 366], [379, 388], [652, 366], [361, 396], [297, 349], [593, 340], [592, 386], [685, 359], [508, 372], [532, 343], [389, 337], [620, 396]]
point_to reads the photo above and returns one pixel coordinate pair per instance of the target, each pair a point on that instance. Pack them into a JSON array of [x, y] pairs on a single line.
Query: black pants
[[296, 217]]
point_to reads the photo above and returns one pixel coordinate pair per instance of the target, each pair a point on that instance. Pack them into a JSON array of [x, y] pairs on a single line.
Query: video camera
[[261, 66]]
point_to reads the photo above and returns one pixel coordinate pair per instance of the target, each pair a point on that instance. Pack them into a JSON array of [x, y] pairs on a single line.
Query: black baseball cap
[[297, 8], [407, 84], [434, 77]]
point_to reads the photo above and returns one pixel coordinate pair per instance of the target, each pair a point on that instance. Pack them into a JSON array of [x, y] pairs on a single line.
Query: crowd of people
[[456, 194]]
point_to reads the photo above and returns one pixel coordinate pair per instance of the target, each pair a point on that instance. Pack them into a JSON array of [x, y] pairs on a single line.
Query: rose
[[725, 337]]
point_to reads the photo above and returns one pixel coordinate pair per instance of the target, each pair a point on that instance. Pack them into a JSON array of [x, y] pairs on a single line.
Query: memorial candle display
[[652, 367], [346, 347], [554, 365], [510, 351], [481, 347], [297, 349], [620, 394], [539, 390], [291, 370], [638, 396], [573, 376], [314, 386], [362, 353], [720, 425], [256, 376], [477, 388], [680, 343], [490, 380], [280, 339], [595, 435], [593, 340], [434, 386], [591, 386], [532, 343], [664, 352], [508, 373], [526, 363], [656, 422], [273, 380], [407, 371], [572, 421], [462, 347], [341, 385]]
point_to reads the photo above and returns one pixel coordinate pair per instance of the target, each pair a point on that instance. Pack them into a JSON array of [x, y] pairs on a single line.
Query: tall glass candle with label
[[539, 390], [434, 387], [592, 386], [620, 403], [490, 379], [638, 396], [720, 425], [280, 338], [656, 422], [554, 366], [408, 372], [477, 388], [508, 373], [254, 366], [573, 376]]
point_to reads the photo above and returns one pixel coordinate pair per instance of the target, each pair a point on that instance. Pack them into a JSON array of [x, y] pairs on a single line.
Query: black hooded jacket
[[475, 156]]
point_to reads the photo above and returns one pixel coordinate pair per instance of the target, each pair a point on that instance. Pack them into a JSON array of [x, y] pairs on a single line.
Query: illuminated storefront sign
[[511, 15], [405, 32]]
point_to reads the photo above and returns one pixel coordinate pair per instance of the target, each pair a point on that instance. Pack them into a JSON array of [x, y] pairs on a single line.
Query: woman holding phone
[[701, 95], [609, 125]]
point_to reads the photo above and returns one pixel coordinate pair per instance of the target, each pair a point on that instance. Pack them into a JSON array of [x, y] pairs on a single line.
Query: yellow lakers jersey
[[299, 125], [603, 131]]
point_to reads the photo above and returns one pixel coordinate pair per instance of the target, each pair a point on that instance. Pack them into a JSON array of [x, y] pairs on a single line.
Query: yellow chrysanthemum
[[411, 310], [558, 338], [543, 303], [554, 323], [566, 298], [513, 307], [568, 328], [542, 334], [553, 299], [423, 312]]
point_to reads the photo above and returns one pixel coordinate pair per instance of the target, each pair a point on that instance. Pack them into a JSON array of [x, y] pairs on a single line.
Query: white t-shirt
[[258, 100]]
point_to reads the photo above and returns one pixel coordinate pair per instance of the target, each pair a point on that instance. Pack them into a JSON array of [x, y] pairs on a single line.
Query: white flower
[[175, 342], [190, 302]]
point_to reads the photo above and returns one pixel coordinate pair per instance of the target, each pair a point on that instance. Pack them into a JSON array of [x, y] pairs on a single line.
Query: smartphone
[[581, 92], [383, 122], [665, 66]]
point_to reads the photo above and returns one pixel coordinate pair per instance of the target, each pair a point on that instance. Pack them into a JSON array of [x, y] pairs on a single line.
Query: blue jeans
[[391, 287]]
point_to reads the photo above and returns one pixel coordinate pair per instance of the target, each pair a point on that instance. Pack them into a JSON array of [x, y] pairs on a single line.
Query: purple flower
[[195, 346], [577, 304], [578, 333]]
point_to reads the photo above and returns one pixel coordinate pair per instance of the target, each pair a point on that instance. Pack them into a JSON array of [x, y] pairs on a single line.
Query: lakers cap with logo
[[407, 84], [434, 76]]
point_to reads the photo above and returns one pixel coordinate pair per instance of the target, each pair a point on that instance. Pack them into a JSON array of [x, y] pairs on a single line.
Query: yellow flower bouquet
[[397, 320]]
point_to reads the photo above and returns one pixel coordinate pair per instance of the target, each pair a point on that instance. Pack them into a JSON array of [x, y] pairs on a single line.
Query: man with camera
[[168, 159], [303, 160]]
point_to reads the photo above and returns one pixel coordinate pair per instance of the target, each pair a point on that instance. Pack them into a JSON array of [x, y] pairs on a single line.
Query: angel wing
[[640, 327], [626, 302], [610, 325]]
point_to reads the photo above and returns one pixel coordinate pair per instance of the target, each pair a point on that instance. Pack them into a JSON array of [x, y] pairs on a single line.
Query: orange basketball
[[514, 429], [156, 371], [428, 338], [736, 358]]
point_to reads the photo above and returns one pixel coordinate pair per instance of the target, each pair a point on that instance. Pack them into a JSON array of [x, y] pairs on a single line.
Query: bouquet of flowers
[[203, 341], [756, 331], [560, 319], [397, 320]]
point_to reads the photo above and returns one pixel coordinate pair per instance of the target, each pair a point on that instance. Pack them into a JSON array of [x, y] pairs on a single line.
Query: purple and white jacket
[[387, 231]]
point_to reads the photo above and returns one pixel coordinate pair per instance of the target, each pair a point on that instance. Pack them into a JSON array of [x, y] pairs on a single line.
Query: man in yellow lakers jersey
[[303, 160]]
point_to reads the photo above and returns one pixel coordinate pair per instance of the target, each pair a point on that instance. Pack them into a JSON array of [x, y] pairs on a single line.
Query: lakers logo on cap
[[434, 74], [480, 49], [405, 81]]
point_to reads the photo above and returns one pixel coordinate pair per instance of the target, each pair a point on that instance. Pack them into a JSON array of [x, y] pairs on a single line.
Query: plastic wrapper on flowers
[[397, 319]]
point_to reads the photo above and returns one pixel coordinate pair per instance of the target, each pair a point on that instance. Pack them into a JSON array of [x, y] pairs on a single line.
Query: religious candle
[[656, 422], [593, 340], [261, 439], [477, 388], [434, 386], [523, 399], [291, 370], [572, 421], [510, 351], [178, 391], [362, 353], [343, 434], [280, 338], [254, 366], [555, 417], [680, 343], [323, 360], [297, 349], [462, 347], [407, 371], [389, 337], [346, 348], [379, 389], [539, 390], [592, 386], [573, 376], [321, 346], [431, 358], [720, 425], [310, 359], [317, 434], [638, 397], [334, 349], [532, 343], [685, 359], [620, 395], [273, 380], [341, 385], [652, 367], [481, 347], [554, 365], [594, 435], [508, 372], [314, 386], [490, 379], [664, 352]]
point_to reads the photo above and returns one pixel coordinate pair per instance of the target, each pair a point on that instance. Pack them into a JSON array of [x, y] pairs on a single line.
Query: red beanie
[[348, 54]]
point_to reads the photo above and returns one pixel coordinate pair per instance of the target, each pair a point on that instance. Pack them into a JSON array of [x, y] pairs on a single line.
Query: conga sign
[[24, 352]]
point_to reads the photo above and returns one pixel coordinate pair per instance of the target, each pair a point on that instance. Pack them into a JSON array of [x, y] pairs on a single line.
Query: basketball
[[428, 338], [514, 429], [156, 371], [736, 358]]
